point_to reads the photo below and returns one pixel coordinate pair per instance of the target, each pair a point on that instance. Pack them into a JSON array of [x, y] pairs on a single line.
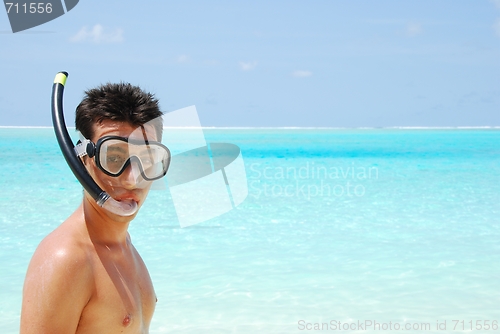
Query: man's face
[[129, 185]]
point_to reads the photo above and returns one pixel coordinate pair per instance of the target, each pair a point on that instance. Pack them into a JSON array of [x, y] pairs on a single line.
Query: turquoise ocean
[[343, 230]]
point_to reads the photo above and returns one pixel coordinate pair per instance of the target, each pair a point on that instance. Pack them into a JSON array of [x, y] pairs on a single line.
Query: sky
[[328, 63]]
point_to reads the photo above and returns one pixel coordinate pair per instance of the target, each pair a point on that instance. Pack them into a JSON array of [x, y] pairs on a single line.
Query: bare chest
[[123, 299]]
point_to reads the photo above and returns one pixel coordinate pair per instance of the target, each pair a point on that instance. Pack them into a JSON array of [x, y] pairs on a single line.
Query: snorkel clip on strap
[[85, 148]]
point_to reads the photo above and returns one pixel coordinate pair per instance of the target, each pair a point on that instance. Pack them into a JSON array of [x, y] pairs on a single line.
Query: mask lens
[[153, 158], [115, 154]]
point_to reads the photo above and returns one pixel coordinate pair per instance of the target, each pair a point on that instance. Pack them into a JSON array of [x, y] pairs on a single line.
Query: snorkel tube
[[102, 198]]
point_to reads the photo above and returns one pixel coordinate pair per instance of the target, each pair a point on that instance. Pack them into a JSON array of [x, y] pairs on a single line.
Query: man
[[86, 276]]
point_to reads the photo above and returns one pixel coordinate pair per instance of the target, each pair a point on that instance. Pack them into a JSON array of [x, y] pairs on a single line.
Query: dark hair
[[117, 102]]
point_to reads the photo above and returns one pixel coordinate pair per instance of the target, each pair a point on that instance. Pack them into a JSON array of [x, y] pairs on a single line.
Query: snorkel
[[102, 198]]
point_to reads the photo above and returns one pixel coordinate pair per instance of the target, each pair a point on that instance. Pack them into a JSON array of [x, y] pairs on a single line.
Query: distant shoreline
[[295, 128]]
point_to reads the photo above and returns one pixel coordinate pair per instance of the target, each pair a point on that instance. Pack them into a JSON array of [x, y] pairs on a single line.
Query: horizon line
[[288, 127]]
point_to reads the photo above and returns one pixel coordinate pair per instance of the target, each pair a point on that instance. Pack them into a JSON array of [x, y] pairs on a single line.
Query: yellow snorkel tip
[[61, 78]]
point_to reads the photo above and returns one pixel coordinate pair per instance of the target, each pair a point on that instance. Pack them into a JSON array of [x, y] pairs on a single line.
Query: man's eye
[[114, 159]]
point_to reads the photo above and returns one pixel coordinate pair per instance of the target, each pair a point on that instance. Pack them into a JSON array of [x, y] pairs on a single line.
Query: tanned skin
[[86, 277]]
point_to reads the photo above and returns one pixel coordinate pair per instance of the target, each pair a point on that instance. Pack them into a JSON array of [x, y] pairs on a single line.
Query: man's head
[[120, 103], [124, 124]]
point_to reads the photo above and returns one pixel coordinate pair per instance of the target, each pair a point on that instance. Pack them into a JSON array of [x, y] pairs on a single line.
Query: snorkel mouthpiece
[[121, 208], [102, 198]]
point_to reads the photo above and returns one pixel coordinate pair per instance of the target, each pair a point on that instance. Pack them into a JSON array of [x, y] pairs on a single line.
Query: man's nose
[[131, 176]]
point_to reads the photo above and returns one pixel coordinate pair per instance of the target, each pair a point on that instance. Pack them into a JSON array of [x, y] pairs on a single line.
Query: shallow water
[[397, 226]]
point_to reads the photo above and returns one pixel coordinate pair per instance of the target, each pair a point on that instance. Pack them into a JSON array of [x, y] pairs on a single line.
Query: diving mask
[[113, 154]]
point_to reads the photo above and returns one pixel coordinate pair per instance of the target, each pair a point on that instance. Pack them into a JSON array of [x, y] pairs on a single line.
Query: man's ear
[[84, 160]]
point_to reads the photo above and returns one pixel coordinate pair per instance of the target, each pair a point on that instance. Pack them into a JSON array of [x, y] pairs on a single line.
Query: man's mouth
[[127, 198]]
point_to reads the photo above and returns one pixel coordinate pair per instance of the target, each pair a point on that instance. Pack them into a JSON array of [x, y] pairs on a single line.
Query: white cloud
[[247, 66], [182, 59], [496, 27], [413, 29], [98, 34], [301, 74]]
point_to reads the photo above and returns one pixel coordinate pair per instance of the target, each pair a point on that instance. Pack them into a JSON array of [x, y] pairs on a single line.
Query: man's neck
[[104, 227]]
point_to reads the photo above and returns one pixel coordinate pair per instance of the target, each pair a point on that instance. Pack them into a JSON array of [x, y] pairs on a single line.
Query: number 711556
[[31, 8], [477, 325]]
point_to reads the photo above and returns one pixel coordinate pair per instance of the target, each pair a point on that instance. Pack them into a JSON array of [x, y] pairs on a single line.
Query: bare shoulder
[[58, 283]]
